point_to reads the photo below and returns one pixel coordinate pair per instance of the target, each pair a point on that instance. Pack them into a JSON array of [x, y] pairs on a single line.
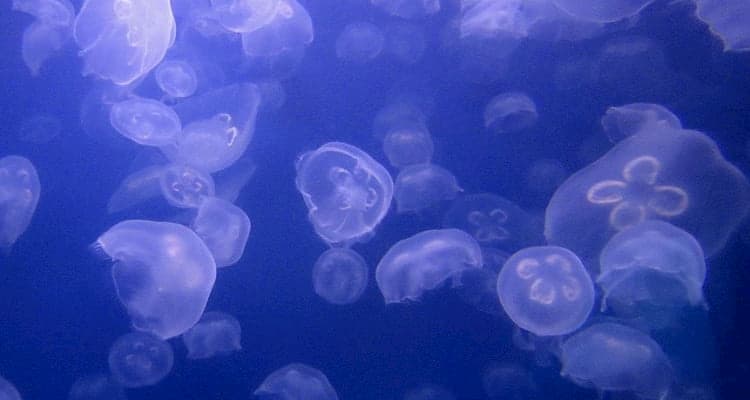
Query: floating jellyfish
[[494, 221], [546, 290], [408, 8], [296, 381], [510, 113], [136, 188], [727, 20], [346, 191], [421, 186], [224, 229], [424, 261], [39, 128], [359, 42], [242, 16], [163, 274], [39, 43], [122, 40], [613, 357], [176, 78], [53, 13], [96, 387], [290, 28], [216, 333], [623, 121], [602, 10], [429, 392], [478, 286], [340, 276], [184, 186], [138, 359], [399, 115], [145, 121], [8, 391], [19, 195], [508, 381], [405, 147], [405, 42], [678, 176]]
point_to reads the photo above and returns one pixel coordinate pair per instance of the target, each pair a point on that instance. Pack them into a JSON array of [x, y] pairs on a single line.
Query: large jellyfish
[[296, 381], [139, 359], [8, 391], [346, 191], [163, 274], [184, 186], [216, 333], [122, 40], [145, 121], [623, 121], [510, 112], [19, 195], [678, 176], [340, 276], [424, 261], [224, 229], [602, 10], [727, 19], [359, 42], [546, 290], [408, 8], [421, 186], [290, 28]]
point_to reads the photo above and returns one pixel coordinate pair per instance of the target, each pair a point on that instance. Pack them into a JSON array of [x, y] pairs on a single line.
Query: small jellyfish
[[176, 78], [8, 391], [478, 286], [424, 261], [408, 9], [296, 381], [623, 121], [340, 276], [613, 357], [510, 113], [290, 28], [346, 191], [359, 42], [405, 147], [508, 381], [224, 229], [727, 20], [96, 387], [39, 128], [216, 333], [184, 186], [19, 195], [140, 359], [546, 290], [602, 10], [429, 392], [242, 16], [422, 186], [145, 121]]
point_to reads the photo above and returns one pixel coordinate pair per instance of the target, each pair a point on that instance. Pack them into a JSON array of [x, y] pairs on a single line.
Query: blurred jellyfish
[[623, 121], [163, 274], [96, 387], [122, 40], [39, 128], [509, 381], [53, 13], [185, 187], [614, 357], [546, 290], [423, 262], [340, 276], [359, 42], [19, 196], [422, 186], [727, 20], [8, 391], [242, 16], [296, 381], [678, 176], [405, 147], [136, 188], [48, 33], [224, 229], [545, 175], [272, 95], [429, 392], [510, 113], [602, 10], [176, 78], [145, 121], [290, 28], [400, 115], [140, 359], [346, 191], [405, 42], [478, 286], [408, 8], [216, 333]]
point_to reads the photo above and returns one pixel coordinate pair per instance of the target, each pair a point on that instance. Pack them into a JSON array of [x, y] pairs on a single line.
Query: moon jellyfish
[[140, 359], [510, 113], [296, 381], [421, 186], [163, 274], [346, 191], [602, 10], [478, 286], [8, 391], [429, 392], [48, 33], [546, 290], [405, 147], [340, 276], [39, 128], [678, 176], [184, 186], [408, 8], [242, 16], [96, 387], [19, 195], [224, 228], [727, 20], [216, 333], [290, 28], [424, 261], [623, 121], [359, 42], [176, 78], [145, 121], [122, 40], [509, 381], [400, 115], [614, 357]]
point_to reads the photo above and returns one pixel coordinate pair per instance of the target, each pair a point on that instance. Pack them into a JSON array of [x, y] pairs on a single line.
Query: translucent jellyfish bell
[[510, 113], [346, 191], [8, 391], [546, 290], [408, 8], [406, 146], [176, 78], [224, 228], [423, 262], [39, 43], [623, 121], [421, 186], [340, 276], [19, 196], [296, 381], [216, 333], [602, 10], [290, 28], [52, 13], [145, 121], [140, 359], [727, 20], [184, 186], [242, 16], [359, 42]]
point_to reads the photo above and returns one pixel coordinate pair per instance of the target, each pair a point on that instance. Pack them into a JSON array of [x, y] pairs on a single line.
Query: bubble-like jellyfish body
[[8, 391], [136, 188], [296, 381], [424, 261], [52, 13], [359, 42], [290, 28], [508, 381], [429, 392], [39, 43], [216, 333], [340, 276], [176, 78], [184, 186], [408, 8], [19, 196], [346, 191], [138, 359], [623, 121], [678, 176], [478, 286], [727, 19], [40, 128], [96, 387], [242, 16], [405, 42], [602, 10], [406, 146], [510, 113], [421, 186], [613, 357], [145, 121], [163, 274], [546, 290], [224, 229], [122, 40]]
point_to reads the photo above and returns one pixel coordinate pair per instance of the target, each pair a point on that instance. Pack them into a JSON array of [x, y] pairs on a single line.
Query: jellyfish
[[402, 114], [623, 121], [613, 357], [602, 10], [53, 13], [510, 112], [123, 40], [8, 391], [408, 9], [19, 195], [184, 186], [424, 261], [96, 387], [405, 42], [509, 381], [243, 16], [359, 42], [290, 28], [546, 290], [340, 276], [224, 228], [429, 392], [677, 176], [346, 191], [145, 121], [48, 33], [39, 128], [139, 186], [163, 274], [296, 381], [405, 147], [216, 333], [176, 78], [478, 286], [138, 359], [422, 186], [726, 19]]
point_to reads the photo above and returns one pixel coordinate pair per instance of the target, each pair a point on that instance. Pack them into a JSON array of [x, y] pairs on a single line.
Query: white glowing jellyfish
[[19, 196]]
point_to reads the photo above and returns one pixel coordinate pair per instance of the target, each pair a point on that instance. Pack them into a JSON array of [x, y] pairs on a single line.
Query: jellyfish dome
[[290, 28], [421, 186], [359, 42], [510, 112], [623, 121], [224, 229], [19, 196], [296, 381], [145, 121], [184, 186], [340, 276], [139, 359]]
